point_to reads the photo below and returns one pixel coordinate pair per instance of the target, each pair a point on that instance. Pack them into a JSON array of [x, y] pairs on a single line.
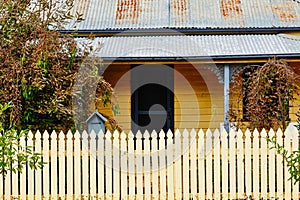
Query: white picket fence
[[191, 165]]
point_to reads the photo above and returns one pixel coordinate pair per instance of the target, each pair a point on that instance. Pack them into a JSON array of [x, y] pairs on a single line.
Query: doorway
[[152, 99]]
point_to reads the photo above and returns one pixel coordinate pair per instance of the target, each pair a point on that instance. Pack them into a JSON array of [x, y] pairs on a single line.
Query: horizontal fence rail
[[180, 165]]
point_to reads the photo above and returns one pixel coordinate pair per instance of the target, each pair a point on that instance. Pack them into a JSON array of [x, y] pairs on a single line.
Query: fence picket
[[272, 168], [69, 164], [256, 152], [240, 164], [38, 173], [217, 176], [85, 164], [100, 159], [154, 157], [93, 166], [170, 169], [287, 182], [232, 163], [280, 168], [61, 161], [14, 184], [248, 164], [131, 167], [193, 161], [108, 165], [123, 165], [147, 164], [264, 164], [162, 166], [30, 175], [23, 175], [46, 168], [209, 160], [185, 164], [77, 166], [177, 165], [201, 165], [139, 166], [116, 164], [224, 150]]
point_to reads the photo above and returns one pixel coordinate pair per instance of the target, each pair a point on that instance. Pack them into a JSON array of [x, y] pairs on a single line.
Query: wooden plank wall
[[198, 101]]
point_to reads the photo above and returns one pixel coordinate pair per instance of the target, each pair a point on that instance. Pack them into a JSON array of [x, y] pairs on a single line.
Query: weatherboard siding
[[195, 106]]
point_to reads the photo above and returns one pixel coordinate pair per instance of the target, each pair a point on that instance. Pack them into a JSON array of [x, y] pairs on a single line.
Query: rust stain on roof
[[180, 8], [284, 12], [231, 8], [127, 10]]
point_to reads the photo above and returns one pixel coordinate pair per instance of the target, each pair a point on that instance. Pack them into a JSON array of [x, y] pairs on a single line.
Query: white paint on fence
[[214, 166]]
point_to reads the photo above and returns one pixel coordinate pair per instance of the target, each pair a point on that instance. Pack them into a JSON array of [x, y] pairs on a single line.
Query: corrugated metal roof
[[196, 46], [137, 14]]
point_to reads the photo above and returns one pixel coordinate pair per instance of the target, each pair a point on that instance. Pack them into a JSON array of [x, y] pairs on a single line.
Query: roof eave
[[294, 57], [177, 31]]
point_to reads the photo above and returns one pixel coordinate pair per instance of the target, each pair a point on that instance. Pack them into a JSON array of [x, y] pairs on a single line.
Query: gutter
[[179, 31], [294, 56]]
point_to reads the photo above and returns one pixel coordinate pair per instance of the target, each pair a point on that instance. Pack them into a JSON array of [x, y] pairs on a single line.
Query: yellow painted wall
[[295, 106], [119, 77], [198, 96]]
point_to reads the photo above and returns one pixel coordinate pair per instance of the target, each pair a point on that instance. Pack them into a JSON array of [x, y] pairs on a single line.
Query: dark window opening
[[152, 99]]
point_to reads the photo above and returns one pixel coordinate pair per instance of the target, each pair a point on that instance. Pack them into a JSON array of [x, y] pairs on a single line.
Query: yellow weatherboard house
[[171, 61]]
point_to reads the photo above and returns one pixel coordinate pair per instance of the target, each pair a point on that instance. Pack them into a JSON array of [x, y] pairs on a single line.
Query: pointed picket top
[[185, 134], [255, 133], [100, 136], [224, 134], [146, 135], [193, 135], [45, 135], [154, 135], [201, 134], [161, 134], [271, 133], [30, 135], [38, 135], [53, 135], [61, 136], [85, 136], [116, 135], [264, 133], [108, 135], [130, 135], [69, 135], [169, 135], [248, 133], [209, 134], [177, 134], [279, 133], [93, 135], [139, 135]]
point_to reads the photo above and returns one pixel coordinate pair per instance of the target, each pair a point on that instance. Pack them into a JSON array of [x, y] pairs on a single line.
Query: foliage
[[13, 156], [265, 92], [292, 159], [38, 65]]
